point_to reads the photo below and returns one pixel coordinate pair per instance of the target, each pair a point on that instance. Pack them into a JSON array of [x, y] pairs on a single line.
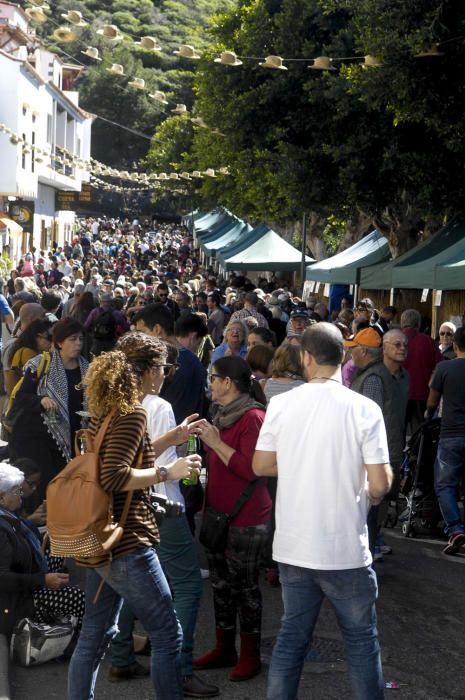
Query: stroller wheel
[[408, 530]]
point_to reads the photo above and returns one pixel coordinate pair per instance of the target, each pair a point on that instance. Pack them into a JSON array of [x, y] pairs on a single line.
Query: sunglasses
[[168, 367], [446, 333]]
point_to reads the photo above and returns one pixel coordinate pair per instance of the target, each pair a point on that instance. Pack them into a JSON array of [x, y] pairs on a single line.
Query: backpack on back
[[80, 520], [104, 327]]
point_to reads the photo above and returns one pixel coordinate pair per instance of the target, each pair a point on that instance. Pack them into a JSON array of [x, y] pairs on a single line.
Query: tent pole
[[391, 297], [304, 248]]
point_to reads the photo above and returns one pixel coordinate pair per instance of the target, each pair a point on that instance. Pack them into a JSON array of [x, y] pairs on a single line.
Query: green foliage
[[171, 22]]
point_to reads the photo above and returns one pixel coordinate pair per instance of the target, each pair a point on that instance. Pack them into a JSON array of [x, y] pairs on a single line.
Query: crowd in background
[[227, 346]]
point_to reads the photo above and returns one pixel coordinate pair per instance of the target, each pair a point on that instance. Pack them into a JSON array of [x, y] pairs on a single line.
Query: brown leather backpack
[[80, 521]]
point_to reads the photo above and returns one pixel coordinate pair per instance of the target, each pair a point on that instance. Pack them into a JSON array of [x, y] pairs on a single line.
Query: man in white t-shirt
[[324, 491]]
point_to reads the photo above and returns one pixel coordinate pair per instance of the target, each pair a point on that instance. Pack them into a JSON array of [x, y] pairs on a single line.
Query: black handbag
[[215, 525]]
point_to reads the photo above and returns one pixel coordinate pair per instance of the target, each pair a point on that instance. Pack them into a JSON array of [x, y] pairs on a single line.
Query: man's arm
[[380, 479], [432, 402], [264, 463]]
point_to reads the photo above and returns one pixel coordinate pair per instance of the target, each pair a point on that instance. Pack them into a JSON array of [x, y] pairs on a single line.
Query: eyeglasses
[[18, 491], [446, 333], [162, 296], [216, 376], [44, 336], [167, 368]]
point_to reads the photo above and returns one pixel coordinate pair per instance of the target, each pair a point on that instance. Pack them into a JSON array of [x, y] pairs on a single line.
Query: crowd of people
[[122, 327]]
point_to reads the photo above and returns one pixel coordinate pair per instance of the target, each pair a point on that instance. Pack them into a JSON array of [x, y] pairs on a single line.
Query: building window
[[34, 117], [24, 110], [33, 156], [23, 155], [49, 129]]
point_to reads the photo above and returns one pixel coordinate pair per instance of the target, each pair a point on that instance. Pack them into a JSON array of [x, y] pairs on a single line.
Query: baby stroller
[[421, 508]]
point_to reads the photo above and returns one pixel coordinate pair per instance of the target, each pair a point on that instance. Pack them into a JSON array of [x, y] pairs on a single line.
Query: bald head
[[29, 313], [324, 342]]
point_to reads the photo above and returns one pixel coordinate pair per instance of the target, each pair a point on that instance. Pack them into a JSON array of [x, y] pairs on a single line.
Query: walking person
[[134, 571], [448, 382], [324, 490]]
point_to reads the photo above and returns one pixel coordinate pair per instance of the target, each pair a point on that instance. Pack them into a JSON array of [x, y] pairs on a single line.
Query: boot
[[249, 663], [224, 654]]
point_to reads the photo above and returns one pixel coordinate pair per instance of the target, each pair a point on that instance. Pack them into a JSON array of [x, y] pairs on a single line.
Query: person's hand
[[48, 404], [209, 434], [185, 467], [181, 432], [56, 581], [39, 516]]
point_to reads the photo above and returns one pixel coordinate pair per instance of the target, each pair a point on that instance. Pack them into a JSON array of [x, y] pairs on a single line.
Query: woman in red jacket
[[230, 444]]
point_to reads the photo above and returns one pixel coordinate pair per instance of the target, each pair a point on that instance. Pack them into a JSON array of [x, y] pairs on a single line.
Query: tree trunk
[[358, 225], [402, 226]]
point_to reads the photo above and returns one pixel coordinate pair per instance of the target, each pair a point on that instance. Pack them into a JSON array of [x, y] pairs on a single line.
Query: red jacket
[[226, 483], [423, 356]]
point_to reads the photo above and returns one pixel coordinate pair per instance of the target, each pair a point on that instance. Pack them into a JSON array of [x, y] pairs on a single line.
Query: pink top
[[226, 483]]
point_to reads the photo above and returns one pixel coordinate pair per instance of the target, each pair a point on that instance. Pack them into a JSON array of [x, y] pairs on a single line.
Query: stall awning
[[242, 243], [214, 217], [231, 235], [270, 252], [450, 273], [217, 229], [12, 226], [344, 267], [415, 269]]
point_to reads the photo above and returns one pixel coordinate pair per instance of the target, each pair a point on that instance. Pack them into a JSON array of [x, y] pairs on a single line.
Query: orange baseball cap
[[367, 337]]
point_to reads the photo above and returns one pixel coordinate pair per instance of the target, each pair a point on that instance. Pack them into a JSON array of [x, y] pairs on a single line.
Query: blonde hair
[[110, 383]]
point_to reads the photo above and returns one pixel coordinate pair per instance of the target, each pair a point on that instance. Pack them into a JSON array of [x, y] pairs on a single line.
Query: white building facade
[[52, 129]]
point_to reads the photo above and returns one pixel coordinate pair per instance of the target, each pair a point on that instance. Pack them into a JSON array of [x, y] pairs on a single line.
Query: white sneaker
[[204, 573]]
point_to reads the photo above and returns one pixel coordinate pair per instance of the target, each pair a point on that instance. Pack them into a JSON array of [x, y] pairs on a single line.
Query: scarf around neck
[[229, 414], [55, 385]]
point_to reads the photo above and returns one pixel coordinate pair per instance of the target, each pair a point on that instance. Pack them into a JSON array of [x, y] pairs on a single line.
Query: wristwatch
[[162, 473]]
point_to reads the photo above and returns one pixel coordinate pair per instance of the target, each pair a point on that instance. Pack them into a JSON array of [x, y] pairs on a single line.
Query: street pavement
[[421, 615]]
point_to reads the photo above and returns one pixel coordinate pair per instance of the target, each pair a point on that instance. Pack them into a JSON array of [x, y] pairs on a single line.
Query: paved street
[[421, 620]]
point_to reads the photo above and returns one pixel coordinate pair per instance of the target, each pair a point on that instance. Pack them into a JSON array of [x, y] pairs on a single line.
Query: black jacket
[[19, 574]]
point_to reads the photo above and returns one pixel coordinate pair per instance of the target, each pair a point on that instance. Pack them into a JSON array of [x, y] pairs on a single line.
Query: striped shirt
[[125, 437]]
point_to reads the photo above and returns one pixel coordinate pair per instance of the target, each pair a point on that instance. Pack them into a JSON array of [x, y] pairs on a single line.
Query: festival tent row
[[233, 244], [345, 267], [435, 263]]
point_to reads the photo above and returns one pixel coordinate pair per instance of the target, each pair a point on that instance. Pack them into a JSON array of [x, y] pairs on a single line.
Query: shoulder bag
[[215, 525]]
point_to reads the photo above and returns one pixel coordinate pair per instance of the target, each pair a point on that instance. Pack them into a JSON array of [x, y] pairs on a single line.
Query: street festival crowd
[[178, 373]]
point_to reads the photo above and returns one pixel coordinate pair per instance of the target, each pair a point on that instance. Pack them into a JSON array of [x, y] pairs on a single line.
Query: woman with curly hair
[[115, 386]]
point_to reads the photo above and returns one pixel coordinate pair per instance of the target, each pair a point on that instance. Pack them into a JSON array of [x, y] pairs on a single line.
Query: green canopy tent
[[242, 243], [450, 273], [217, 229], [227, 237], [270, 252], [192, 216], [344, 267], [415, 268]]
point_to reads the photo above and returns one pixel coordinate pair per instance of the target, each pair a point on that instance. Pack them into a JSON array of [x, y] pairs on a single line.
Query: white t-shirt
[[323, 434], [160, 419]]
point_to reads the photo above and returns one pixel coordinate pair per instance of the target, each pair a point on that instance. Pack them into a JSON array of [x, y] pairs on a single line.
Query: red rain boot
[[249, 663], [223, 655]]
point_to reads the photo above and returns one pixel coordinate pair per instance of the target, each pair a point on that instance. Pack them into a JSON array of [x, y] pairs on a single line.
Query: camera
[[163, 508]]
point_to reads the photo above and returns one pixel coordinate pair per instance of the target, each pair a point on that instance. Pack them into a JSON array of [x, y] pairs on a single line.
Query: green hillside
[[171, 23]]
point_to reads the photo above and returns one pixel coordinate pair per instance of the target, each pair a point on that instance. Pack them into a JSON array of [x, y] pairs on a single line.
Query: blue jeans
[[448, 473], [352, 593], [177, 553], [137, 577]]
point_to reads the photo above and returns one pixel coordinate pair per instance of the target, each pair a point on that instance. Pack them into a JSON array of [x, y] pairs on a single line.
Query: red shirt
[[226, 483], [423, 356]]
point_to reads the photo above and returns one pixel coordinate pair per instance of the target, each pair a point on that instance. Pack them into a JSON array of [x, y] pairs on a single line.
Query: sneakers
[[456, 541], [378, 554], [127, 673], [195, 687]]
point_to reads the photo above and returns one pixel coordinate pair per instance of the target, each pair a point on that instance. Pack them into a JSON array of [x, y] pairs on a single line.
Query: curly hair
[[110, 382], [142, 351]]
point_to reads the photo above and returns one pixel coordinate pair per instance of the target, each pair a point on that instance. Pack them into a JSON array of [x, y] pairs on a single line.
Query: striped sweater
[[126, 436]]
